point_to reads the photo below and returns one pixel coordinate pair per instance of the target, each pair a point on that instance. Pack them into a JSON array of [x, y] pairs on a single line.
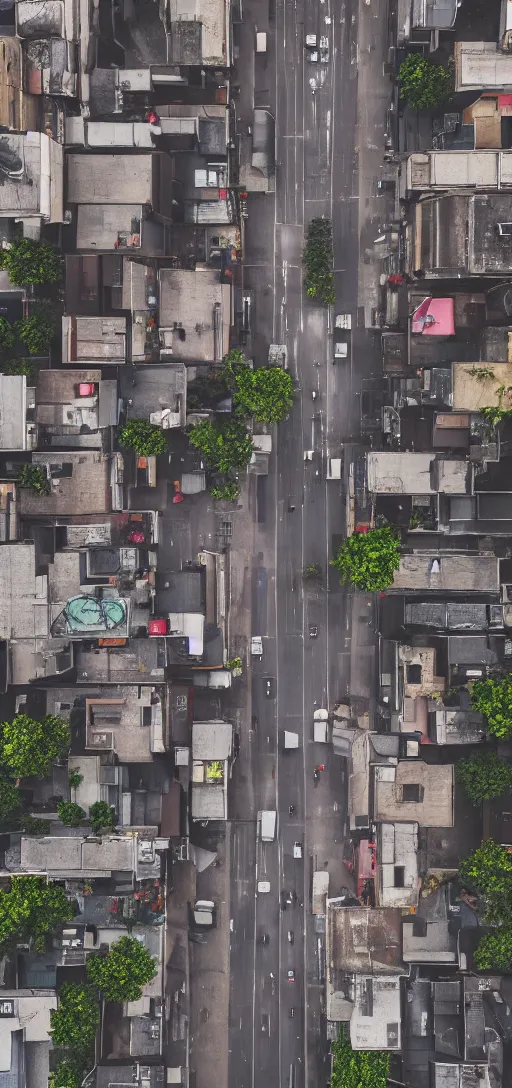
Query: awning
[[434, 317], [170, 820], [365, 863], [263, 142], [108, 415]]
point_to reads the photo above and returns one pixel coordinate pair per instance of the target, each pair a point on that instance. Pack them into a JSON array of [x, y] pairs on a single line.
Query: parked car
[[290, 974]]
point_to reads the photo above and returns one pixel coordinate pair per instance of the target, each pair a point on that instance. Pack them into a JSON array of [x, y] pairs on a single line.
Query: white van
[[261, 41]]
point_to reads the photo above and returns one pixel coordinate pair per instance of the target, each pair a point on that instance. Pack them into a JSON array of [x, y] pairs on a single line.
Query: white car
[[341, 349], [297, 849]]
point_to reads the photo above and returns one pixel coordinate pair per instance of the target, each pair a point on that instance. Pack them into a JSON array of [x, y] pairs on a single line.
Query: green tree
[[71, 814], [483, 776], [423, 84], [34, 477], [369, 560], [265, 393], [102, 817], [145, 438], [487, 872], [29, 747], [312, 572], [69, 1073], [7, 334], [75, 779], [493, 698], [36, 331], [225, 446], [494, 952], [76, 1020], [33, 825], [228, 491], [9, 798], [19, 366], [32, 908], [358, 1068], [318, 261], [494, 415], [121, 974], [28, 261]]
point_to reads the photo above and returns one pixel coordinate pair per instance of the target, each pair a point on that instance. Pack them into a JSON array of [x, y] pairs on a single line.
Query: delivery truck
[[267, 820]]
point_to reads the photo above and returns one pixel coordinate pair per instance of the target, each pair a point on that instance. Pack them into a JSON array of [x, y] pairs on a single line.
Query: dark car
[[313, 630], [286, 899]]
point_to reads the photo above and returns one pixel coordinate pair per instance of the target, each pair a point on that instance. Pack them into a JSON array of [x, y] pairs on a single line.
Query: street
[[320, 126]]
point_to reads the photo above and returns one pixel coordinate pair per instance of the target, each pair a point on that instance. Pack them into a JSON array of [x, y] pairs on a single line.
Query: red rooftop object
[[434, 317], [157, 627], [86, 389]]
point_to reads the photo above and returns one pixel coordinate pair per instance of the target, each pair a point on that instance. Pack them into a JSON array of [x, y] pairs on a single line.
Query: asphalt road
[[317, 174]]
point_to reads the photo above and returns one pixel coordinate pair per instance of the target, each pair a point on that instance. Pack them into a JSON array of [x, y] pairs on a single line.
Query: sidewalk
[[209, 975], [180, 883], [374, 98]]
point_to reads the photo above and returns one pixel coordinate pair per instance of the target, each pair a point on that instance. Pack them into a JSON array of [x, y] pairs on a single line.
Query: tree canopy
[[369, 560], [265, 393], [144, 437], [225, 445], [483, 776], [31, 908], [493, 698], [122, 973], [318, 260], [30, 261], [69, 1073], [494, 951], [423, 84], [9, 798], [358, 1068], [228, 491], [34, 477], [487, 872], [71, 814], [7, 334], [29, 747], [76, 1020], [36, 331], [102, 816]]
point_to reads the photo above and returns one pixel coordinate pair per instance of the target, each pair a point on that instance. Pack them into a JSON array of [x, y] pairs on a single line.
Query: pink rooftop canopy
[[434, 317]]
